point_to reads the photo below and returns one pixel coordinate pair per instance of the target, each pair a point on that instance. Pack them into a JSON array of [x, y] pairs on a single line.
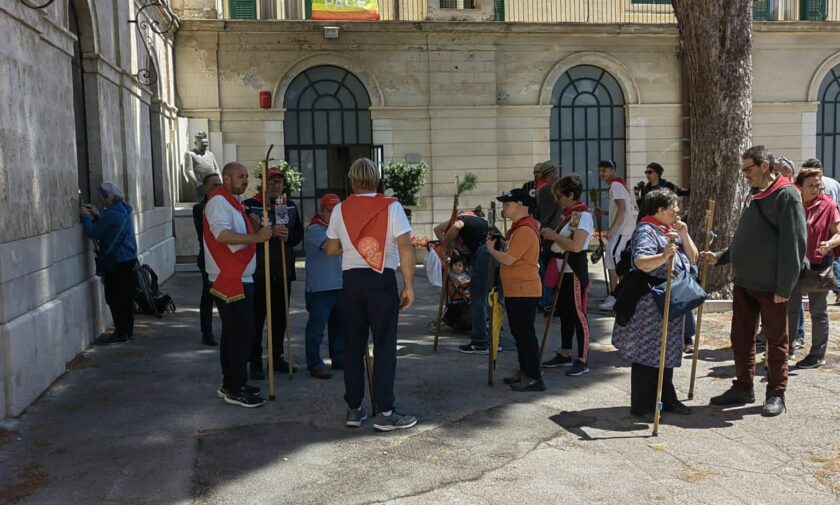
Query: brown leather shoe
[[321, 373]]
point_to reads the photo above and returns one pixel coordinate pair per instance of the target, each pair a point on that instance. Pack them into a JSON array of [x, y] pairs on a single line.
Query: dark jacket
[[198, 221], [645, 188], [768, 248], [295, 227], [114, 233]]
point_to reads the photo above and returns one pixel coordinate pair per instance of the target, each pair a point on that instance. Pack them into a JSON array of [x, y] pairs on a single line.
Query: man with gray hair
[[766, 254], [373, 236]]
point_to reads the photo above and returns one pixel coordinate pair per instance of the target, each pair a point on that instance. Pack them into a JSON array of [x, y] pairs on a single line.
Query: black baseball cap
[[518, 195]]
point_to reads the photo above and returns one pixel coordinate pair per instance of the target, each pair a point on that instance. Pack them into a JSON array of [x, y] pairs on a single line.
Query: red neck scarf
[[664, 228], [616, 178], [316, 219], [228, 285], [540, 183], [528, 222], [366, 220], [780, 183], [567, 213], [819, 215]]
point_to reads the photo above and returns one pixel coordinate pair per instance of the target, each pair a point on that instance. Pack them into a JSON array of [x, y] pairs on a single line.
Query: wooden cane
[[663, 346], [491, 283], [287, 335], [553, 305], [267, 268], [710, 219], [369, 369], [595, 197], [444, 275]]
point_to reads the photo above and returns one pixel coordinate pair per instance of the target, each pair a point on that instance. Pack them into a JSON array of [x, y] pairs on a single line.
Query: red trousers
[[747, 306]]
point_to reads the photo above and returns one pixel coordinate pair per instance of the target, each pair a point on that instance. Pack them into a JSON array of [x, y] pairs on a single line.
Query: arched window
[[327, 127], [79, 112], [828, 123], [587, 123]]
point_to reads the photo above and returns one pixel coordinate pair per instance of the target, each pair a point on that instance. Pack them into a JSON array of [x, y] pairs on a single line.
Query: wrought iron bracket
[[148, 75]]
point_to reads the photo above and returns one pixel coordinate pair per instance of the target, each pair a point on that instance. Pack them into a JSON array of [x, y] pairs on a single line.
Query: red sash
[[316, 219], [228, 285], [528, 222], [780, 183], [616, 178], [366, 220], [664, 228]]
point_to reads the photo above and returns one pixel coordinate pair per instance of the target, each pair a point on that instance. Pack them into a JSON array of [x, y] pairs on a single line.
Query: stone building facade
[[73, 114], [482, 97]]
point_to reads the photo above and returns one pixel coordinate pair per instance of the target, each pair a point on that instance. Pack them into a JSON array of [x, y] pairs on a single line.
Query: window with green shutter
[[760, 10], [813, 10], [242, 9], [499, 10]]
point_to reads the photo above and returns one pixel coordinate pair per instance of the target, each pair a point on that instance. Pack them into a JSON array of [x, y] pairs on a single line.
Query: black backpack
[[147, 295]]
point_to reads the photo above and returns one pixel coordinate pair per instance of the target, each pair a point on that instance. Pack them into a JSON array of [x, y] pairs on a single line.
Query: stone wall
[[51, 304]]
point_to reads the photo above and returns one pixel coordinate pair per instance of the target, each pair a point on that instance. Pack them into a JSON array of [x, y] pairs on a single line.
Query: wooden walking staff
[[664, 345], [493, 344], [594, 197], [467, 184], [553, 305], [264, 171], [710, 219]]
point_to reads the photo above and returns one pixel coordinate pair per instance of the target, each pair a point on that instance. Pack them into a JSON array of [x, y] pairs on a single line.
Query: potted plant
[[405, 181]]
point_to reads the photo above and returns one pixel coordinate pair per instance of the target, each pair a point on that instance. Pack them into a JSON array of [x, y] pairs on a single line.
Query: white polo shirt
[[619, 191], [397, 225], [221, 216]]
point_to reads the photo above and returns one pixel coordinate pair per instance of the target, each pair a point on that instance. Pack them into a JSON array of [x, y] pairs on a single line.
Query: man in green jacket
[[766, 254]]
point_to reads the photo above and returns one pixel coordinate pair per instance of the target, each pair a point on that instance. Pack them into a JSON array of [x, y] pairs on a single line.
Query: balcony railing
[[536, 11]]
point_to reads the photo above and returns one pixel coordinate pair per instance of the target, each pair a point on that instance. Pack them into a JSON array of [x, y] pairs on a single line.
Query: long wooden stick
[[444, 274], [663, 346], [369, 370], [267, 270], [491, 272], [553, 305], [595, 198], [704, 272], [286, 303]]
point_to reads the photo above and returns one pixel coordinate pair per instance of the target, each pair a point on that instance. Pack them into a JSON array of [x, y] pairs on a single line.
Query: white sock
[[388, 413]]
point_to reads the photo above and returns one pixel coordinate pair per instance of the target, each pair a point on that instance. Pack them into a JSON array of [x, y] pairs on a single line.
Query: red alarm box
[[265, 99]]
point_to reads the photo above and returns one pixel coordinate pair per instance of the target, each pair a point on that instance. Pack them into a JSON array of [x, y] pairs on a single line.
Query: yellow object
[[345, 10], [496, 320]]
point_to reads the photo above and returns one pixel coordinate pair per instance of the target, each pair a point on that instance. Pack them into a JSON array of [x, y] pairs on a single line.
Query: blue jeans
[[800, 329], [479, 286], [837, 275], [324, 309]]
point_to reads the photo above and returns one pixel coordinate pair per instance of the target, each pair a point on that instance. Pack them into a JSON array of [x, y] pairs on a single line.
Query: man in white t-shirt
[[373, 236], [622, 217], [230, 260]]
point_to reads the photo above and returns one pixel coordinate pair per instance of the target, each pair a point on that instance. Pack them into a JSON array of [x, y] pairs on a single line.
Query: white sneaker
[[609, 303]]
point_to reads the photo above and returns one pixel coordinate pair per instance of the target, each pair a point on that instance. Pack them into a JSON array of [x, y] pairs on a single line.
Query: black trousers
[[370, 303], [237, 338], [206, 306], [573, 321], [119, 295], [643, 382], [278, 319], [521, 313]]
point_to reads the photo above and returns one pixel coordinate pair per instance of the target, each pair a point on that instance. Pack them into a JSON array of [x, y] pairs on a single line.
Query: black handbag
[[686, 294], [817, 278]]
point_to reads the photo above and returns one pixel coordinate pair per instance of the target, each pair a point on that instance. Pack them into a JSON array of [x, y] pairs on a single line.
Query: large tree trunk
[[716, 41]]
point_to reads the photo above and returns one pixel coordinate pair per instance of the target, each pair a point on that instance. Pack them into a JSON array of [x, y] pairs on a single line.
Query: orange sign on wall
[[345, 10]]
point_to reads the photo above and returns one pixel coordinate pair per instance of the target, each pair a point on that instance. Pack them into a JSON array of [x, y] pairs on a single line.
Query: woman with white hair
[[113, 231]]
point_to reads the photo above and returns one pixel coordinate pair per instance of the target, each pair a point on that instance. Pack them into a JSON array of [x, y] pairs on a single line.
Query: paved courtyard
[[140, 423]]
